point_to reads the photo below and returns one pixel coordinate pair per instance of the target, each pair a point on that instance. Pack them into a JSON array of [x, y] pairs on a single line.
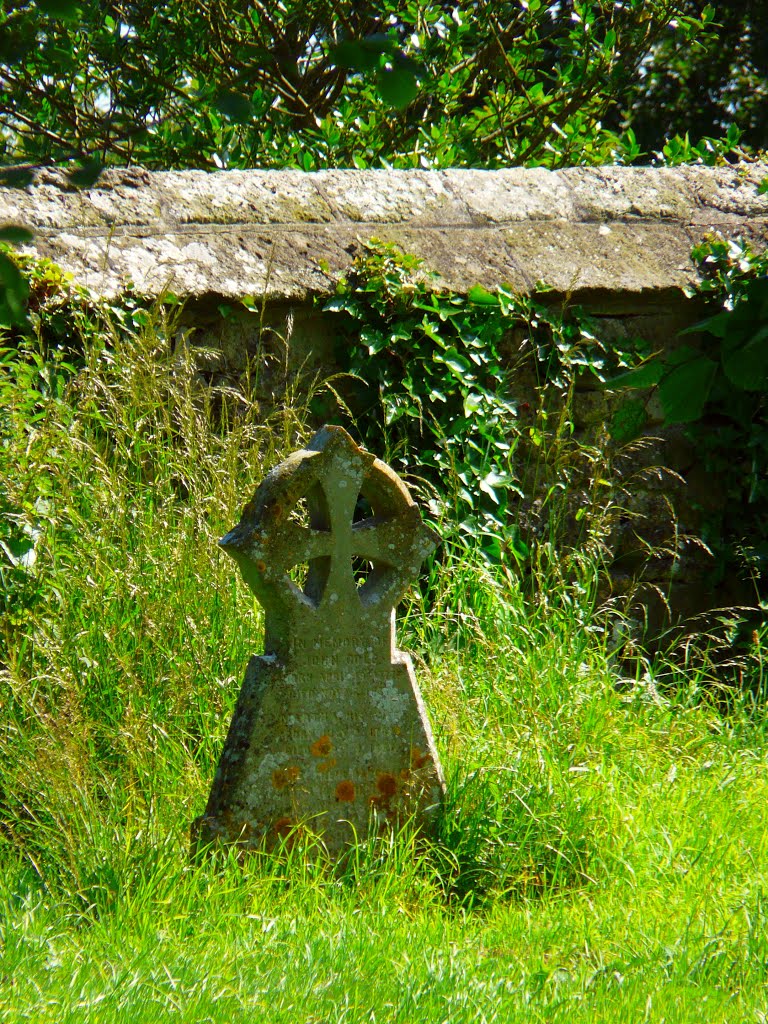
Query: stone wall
[[616, 240], [616, 237]]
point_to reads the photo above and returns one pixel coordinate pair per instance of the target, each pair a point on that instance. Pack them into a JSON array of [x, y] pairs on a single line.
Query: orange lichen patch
[[261, 566], [282, 777], [345, 792], [321, 747], [418, 760], [386, 784], [282, 827], [325, 766]]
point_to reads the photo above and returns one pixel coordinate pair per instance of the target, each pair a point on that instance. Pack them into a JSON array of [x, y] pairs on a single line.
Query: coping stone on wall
[[616, 237]]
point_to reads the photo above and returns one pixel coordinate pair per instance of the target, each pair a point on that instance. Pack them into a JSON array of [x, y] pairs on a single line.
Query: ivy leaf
[[431, 331], [472, 403], [489, 482], [15, 234], [13, 293], [685, 387], [457, 363], [481, 296], [374, 339]]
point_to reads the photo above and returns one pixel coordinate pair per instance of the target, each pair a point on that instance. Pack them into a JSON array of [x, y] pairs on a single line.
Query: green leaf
[[343, 303], [746, 364], [234, 106], [362, 54], [431, 331], [628, 421], [516, 545], [472, 403], [716, 325], [397, 86], [459, 364], [15, 234], [63, 10], [645, 376], [16, 177], [374, 339], [744, 333], [752, 308], [489, 482], [685, 387], [20, 551], [481, 296], [762, 188], [13, 293], [86, 174]]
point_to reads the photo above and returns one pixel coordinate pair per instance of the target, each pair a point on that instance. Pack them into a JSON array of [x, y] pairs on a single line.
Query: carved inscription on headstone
[[329, 732]]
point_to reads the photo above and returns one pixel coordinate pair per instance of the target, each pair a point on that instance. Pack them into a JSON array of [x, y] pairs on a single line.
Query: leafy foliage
[[719, 390], [224, 83], [719, 79], [435, 368], [429, 365]]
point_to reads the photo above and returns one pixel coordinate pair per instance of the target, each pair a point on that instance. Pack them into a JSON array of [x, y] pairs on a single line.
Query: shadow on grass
[[497, 838]]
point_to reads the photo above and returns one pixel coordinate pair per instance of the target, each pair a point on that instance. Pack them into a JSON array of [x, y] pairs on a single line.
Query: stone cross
[[329, 733]]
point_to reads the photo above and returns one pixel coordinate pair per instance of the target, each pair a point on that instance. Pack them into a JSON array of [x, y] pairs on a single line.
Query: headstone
[[329, 732]]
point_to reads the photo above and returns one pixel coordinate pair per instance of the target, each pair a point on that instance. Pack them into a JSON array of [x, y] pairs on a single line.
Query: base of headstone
[[317, 774]]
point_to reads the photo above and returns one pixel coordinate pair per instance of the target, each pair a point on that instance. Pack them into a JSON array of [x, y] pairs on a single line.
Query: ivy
[[436, 371]]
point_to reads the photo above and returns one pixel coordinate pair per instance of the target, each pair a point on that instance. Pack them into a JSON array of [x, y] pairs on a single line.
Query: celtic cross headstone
[[329, 732]]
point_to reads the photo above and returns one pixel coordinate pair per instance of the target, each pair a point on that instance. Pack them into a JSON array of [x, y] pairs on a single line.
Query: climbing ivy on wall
[[440, 373], [482, 387]]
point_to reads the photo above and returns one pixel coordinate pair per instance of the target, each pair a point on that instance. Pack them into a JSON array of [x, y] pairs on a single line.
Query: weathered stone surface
[[623, 233], [329, 732]]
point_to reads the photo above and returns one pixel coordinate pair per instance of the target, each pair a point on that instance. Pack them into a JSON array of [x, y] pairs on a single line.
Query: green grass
[[604, 852]]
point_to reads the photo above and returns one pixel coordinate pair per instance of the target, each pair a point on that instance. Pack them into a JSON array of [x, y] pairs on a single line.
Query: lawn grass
[[604, 851]]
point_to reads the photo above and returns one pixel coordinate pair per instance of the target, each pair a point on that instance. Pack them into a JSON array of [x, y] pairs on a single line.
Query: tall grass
[[124, 632], [603, 852]]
